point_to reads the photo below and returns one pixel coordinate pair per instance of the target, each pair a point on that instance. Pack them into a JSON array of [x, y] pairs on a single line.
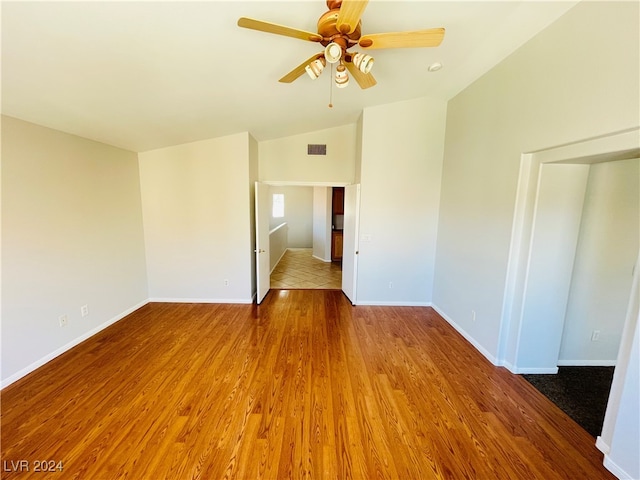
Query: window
[[278, 205]]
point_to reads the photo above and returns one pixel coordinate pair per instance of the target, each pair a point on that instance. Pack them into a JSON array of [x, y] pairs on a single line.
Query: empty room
[[462, 179]]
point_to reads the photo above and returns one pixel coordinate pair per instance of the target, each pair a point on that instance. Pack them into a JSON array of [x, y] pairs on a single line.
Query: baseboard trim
[[56, 353], [375, 303], [535, 371], [321, 259], [586, 363], [602, 445], [242, 301], [509, 366], [466, 336], [616, 469]]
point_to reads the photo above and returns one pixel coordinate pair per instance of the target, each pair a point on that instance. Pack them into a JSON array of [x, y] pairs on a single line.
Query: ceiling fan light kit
[[342, 77], [363, 62], [315, 68], [333, 53], [340, 29]]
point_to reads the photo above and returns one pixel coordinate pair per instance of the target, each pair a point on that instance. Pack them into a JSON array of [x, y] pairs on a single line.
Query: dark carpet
[[580, 392]]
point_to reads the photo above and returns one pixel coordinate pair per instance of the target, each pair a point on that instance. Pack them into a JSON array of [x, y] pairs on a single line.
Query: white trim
[[509, 366], [242, 301], [321, 259], [467, 337], [602, 445], [277, 228], [618, 145], [515, 259], [47, 358], [535, 371], [377, 303], [586, 363], [276, 183], [615, 469]]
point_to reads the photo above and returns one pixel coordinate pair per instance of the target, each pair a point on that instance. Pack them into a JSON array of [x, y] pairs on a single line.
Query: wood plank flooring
[[302, 386]]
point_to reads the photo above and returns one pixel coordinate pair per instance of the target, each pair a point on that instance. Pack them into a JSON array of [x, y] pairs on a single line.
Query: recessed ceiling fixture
[[339, 29], [434, 67]]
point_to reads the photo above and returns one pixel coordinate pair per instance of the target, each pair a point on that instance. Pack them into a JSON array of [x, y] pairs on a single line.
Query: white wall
[[543, 95], [607, 251], [197, 220], [558, 212], [286, 160], [322, 197], [402, 147], [277, 244], [71, 236], [298, 213]]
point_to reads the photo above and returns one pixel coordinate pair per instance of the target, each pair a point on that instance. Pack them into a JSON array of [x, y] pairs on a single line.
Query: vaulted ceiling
[[144, 75]]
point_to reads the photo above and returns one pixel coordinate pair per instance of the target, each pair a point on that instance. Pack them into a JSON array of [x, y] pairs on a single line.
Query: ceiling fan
[[340, 29]]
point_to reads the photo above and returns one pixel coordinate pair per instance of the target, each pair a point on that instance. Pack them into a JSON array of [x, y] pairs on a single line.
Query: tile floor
[[299, 269]]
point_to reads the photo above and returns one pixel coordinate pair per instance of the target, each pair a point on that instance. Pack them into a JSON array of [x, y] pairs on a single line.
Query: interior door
[[350, 241], [263, 272]]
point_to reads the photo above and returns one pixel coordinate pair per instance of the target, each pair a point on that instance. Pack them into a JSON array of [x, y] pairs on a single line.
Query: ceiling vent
[[316, 149]]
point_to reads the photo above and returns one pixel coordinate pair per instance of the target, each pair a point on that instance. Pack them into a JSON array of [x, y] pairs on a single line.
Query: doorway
[[304, 223], [607, 247], [300, 241], [536, 299]]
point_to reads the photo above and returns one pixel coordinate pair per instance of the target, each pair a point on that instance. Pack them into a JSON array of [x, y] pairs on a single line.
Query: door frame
[[300, 184], [615, 146]]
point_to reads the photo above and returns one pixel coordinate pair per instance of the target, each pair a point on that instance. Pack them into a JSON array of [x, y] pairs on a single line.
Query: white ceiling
[[146, 75]]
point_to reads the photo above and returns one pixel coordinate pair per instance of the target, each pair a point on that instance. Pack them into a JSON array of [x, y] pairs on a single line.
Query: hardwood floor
[[302, 386]]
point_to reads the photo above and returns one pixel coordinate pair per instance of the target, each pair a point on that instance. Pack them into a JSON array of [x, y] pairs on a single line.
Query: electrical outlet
[[473, 315], [84, 310], [390, 284], [595, 335], [226, 282], [63, 320]]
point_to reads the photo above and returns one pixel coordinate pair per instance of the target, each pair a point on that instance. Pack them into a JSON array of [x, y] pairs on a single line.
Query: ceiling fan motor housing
[[327, 28]]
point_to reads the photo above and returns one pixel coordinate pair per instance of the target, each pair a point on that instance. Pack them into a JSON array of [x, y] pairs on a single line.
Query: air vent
[[316, 149]]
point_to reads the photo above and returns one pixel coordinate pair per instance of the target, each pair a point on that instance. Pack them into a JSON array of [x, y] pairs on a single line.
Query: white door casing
[[350, 241], [263, 273]]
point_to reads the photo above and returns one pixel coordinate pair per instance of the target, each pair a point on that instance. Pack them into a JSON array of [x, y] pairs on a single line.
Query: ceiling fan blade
[[299, 70], [349, 15], [420, 38], [365, 80], [278, 29]]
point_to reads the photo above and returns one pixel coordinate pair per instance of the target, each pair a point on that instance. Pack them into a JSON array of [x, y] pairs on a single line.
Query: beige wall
[[197, 220], [298, 213], [400, 191], [71, 236], [286, 160], [605, 259]]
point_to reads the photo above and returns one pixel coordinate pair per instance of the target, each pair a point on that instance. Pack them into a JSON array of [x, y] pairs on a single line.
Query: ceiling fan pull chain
[[331, 88]]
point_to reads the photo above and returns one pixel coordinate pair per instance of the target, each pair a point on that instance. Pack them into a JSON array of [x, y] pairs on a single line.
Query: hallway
[[299, 269]]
